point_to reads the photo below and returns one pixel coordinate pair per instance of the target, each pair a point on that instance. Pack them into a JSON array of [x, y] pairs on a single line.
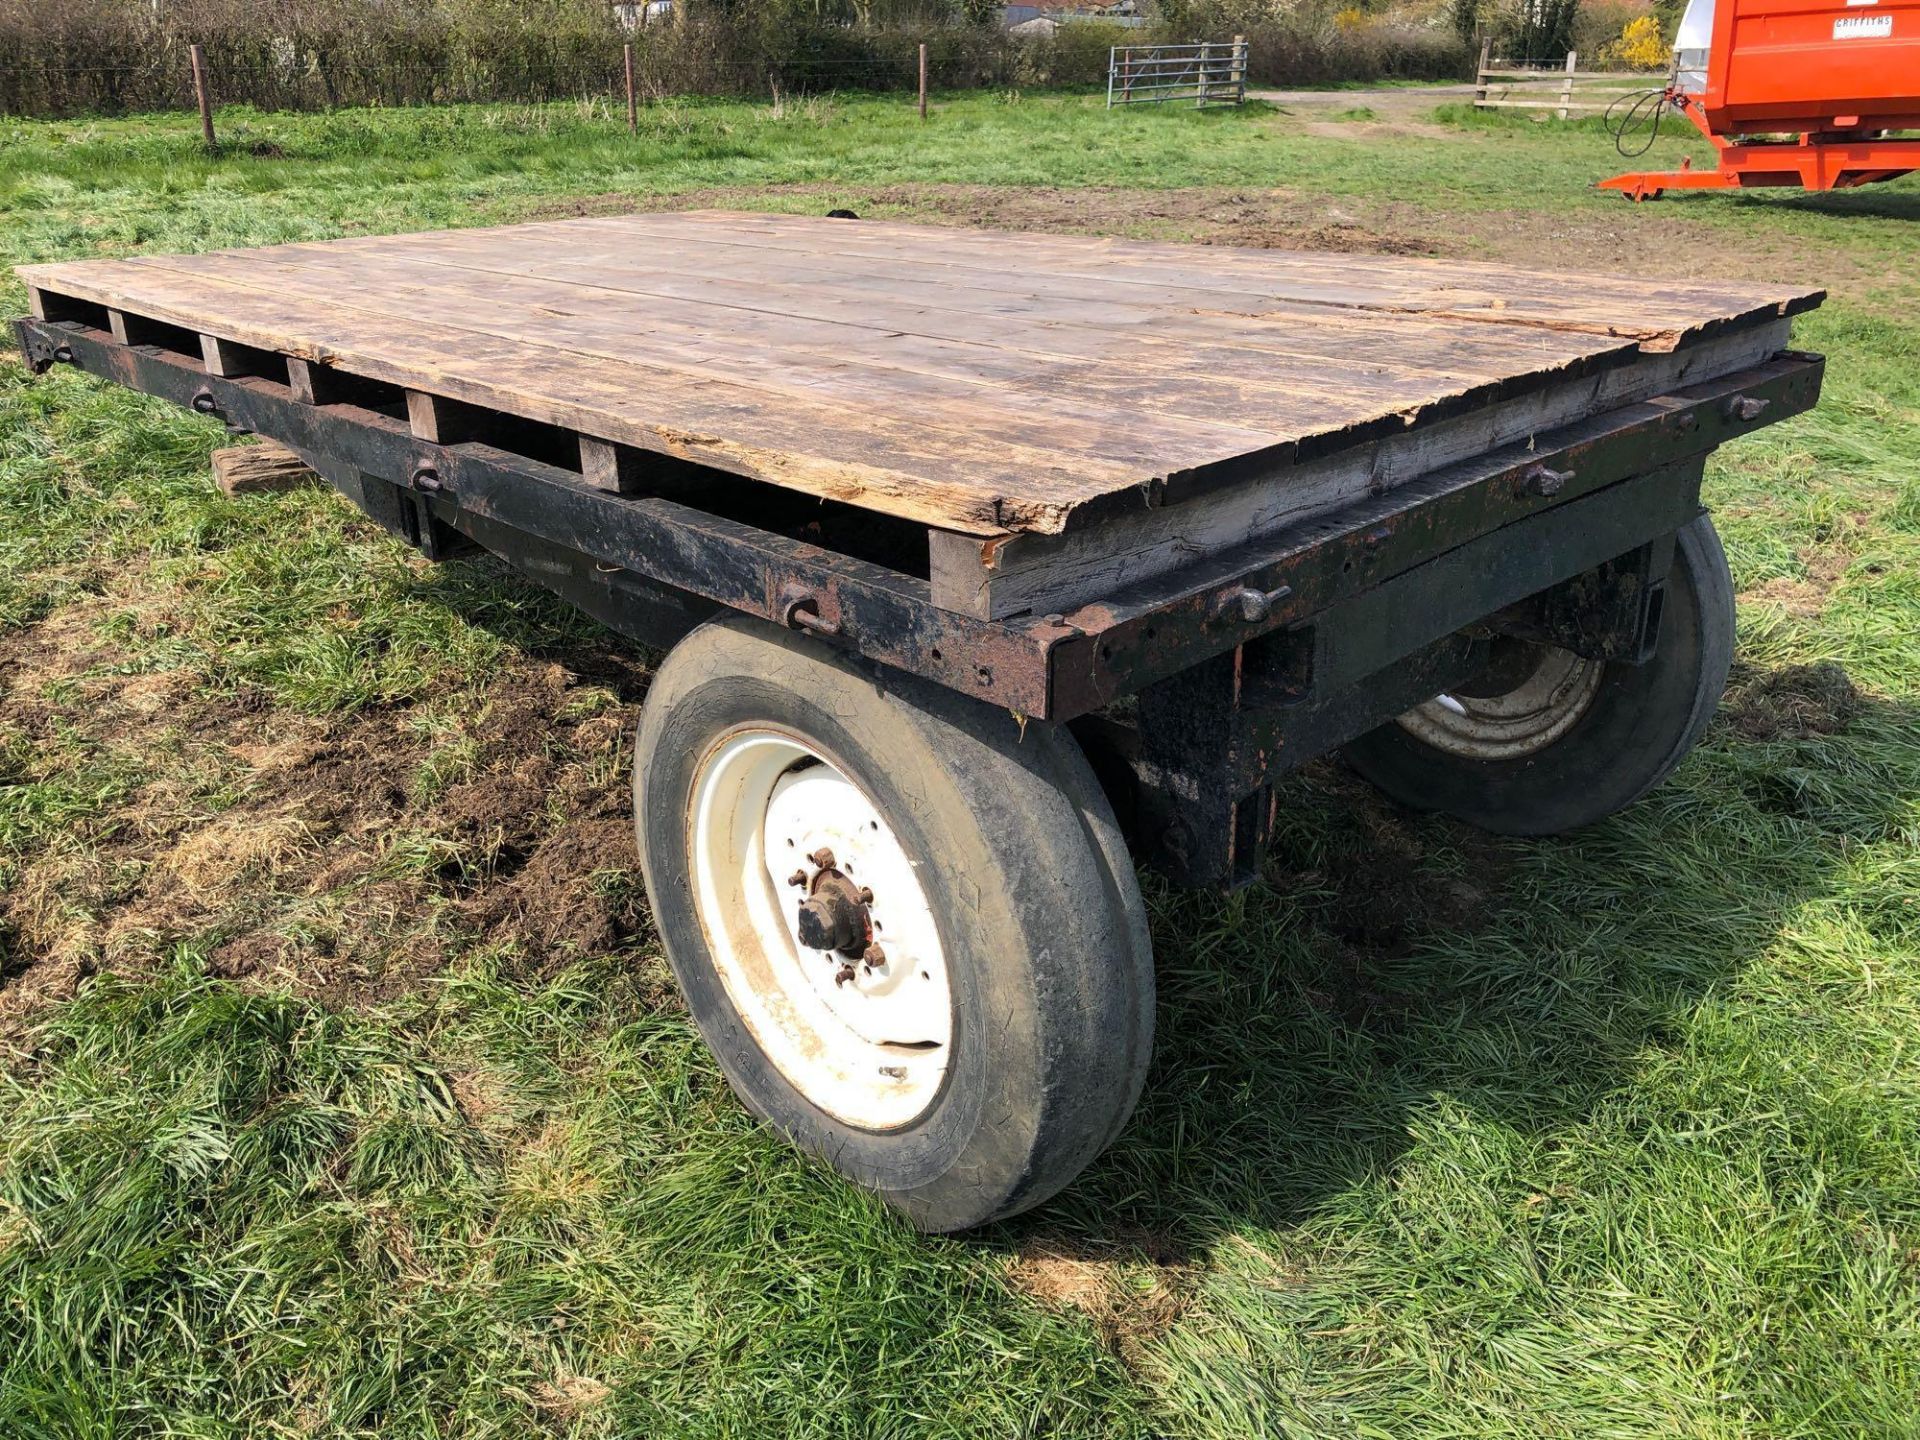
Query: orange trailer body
[[1836, 74]]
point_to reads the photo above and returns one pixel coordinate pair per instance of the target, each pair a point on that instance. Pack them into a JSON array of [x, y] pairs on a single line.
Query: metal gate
[[1210, 73]]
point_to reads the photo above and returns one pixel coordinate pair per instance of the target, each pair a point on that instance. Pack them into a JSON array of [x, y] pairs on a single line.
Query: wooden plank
[[1548, 104], [1627, 79], [1322, 397], [1013, 575], [417, 287], [1271, 280], [307, 381], [611, 467], [266, 467], [1503, 278], [138, 330], [231, 360], [315, 384], [1115, 402], [431, 417]]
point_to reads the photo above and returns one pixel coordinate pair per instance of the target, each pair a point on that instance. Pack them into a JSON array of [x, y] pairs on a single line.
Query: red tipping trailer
[[1794, 92]]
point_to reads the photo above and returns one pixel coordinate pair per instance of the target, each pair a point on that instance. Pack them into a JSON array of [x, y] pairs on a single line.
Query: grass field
[[343, 1090]]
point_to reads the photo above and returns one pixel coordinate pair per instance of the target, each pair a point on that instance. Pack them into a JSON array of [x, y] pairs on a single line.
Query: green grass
[[1616, 1135]]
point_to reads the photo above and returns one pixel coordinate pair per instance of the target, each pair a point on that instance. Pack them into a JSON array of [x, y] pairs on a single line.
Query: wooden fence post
[[1566, 88], [1237, 69], [633, 108], [923, 80], [198, 59], [1480, 75]]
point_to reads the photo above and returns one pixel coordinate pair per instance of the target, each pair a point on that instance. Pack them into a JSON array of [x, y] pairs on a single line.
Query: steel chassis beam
[[1525, 509]]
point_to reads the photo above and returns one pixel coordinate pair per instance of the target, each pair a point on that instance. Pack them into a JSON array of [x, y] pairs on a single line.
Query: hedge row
[[71, 57]]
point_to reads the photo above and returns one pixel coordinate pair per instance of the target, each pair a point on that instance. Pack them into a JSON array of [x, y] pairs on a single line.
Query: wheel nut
[[866, 896], [843, 974], [822, 858], [873, 956], [798, 877]]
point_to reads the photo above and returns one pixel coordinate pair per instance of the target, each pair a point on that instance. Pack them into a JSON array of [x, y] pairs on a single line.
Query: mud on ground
[[344, 856]]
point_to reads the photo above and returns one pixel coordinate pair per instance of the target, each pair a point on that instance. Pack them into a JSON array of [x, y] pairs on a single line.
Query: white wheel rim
[[1518, 722], [871, 1050]]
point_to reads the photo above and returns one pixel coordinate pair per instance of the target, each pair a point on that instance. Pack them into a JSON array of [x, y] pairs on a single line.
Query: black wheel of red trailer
[[906, 924], [1544, 741]]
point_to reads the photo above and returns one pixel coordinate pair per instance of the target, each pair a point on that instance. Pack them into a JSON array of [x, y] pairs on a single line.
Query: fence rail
[[1207, 74], [1566, 89]]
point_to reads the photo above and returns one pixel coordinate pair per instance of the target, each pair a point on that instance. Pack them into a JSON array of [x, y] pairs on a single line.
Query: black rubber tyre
[[1641, 722], [1027, 877]]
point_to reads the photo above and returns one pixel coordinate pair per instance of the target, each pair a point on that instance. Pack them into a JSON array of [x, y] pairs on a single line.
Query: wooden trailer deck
[[1066, 417], [978, 382]]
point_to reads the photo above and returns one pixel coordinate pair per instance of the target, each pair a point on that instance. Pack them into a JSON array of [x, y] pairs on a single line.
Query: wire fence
[[103, 63]]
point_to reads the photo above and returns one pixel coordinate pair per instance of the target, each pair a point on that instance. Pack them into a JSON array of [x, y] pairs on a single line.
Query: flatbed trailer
[[989, 564]]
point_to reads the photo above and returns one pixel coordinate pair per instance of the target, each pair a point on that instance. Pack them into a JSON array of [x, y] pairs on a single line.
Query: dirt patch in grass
[[1365, 124], [1133, 1289], [1271, 219], [1795, 702], [344, 856], [1823, 568], [569, 1396]]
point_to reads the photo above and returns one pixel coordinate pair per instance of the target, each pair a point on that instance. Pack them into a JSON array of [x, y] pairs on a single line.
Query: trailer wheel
[[1545, 742], [906, 924]]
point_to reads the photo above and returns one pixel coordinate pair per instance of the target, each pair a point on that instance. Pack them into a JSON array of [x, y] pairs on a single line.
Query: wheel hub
[[834, 916]]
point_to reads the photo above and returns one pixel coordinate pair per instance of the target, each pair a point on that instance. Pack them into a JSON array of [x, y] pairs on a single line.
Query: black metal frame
[[1243, 663]]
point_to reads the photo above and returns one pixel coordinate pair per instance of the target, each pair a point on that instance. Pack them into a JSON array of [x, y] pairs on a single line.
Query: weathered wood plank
[[316, 384], [265, 467], [582, 321], [232, 360], [993, 307], [1207, 374]]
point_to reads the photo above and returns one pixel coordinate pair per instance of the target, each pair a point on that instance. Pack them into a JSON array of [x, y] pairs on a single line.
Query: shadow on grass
[[1868, 203], [1395, 968]]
